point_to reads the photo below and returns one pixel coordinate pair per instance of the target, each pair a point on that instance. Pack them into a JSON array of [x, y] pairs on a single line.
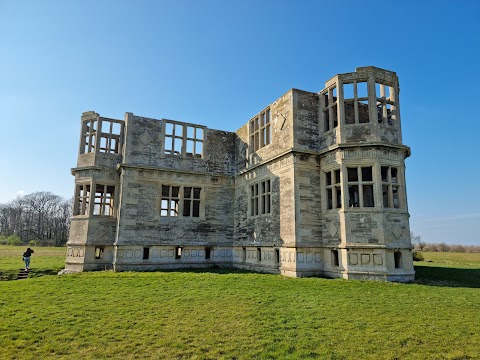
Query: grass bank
[[233, 315]]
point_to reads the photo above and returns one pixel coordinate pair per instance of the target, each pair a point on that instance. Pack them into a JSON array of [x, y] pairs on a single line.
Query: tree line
[[40, 219], [419, 245]]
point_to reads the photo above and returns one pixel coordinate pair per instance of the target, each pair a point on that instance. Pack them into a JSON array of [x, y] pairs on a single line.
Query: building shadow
[[447, 276]]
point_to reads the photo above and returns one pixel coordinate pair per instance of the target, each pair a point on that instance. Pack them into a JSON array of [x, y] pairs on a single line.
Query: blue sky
[[218, 63]]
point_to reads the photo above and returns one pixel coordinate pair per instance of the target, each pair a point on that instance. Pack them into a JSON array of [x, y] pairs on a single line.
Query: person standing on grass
[[26, 258]]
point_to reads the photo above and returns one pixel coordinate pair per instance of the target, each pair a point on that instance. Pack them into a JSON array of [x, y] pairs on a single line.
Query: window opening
[[260, 198], [329, 105], [360, 186], [259, 254], [99, 252], [109, 136], [356, 102], [260, 131], [390, 187], [146, 253], [170, 200], [89, 130], [334, 192], [104, 200], [277, 256], [183, 140], [397, 255], [178, 252], [82, 199], [191, 201], [207, 252], [385, 103], [335, 260]]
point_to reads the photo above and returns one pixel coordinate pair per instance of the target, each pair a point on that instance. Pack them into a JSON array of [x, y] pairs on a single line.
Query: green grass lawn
[[235, 315], [45, 260]]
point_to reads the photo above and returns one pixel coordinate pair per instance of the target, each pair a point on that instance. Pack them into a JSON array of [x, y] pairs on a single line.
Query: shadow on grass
[[447, 277]]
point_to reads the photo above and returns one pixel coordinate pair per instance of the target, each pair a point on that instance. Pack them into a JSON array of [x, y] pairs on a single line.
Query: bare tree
[[40, 216]]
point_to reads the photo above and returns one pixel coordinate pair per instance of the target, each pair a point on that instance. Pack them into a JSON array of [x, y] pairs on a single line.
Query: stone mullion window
[[385, 102], [110, 136], [170, 202], [329, 108], [183, 140], [355, 102], [260, 131], [266, 196], [89, 133], [191, 201], [261, 198], [82, 199], [103, 203], [333, 189], [360, 186], [390, 187], [180, 201], [194, 142]]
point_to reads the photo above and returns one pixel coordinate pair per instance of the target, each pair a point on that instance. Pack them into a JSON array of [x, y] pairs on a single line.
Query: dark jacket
[[28, 253]]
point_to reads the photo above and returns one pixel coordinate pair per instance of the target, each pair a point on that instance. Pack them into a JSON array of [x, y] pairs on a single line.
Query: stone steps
[[22, 274]]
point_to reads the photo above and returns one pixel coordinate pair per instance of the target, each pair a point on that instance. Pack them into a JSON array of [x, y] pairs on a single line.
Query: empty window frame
[[328, 101], [110, 136], [385, 103], [104, 200], [169, 204], [356, 102], [99, 252], [183, 140], [82, 199], [390, 187], [260, 198], [178, 252], [360, 186], [146, 253], [335, 259], [208, 251], [89, 131], [333, 189], [180, 201], [397, 256], [191, 201], [260, 131]]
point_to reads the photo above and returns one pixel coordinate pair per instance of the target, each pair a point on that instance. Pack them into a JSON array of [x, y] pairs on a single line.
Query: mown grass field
[[234, 315]]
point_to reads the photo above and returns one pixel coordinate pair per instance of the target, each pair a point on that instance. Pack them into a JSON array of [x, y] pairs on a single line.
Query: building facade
[[313, 185]]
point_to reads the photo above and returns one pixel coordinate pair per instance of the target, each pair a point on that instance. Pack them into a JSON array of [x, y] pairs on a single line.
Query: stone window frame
[[356, 100], [87, 202], [385, 103], [81, 204], [361, 184], [329, 108], [391, 183], [333, 189], [103, 200], [174, 204], [260, 130], [108, 140], [183, 139], [260, 196]]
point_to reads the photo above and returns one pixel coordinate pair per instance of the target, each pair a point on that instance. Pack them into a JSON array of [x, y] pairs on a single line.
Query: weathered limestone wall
[[145, 148], [282, 135], [306, 125], [142, 226]]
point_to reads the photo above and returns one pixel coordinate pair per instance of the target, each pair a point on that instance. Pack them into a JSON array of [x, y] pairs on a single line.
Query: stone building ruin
[[313, 185]]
